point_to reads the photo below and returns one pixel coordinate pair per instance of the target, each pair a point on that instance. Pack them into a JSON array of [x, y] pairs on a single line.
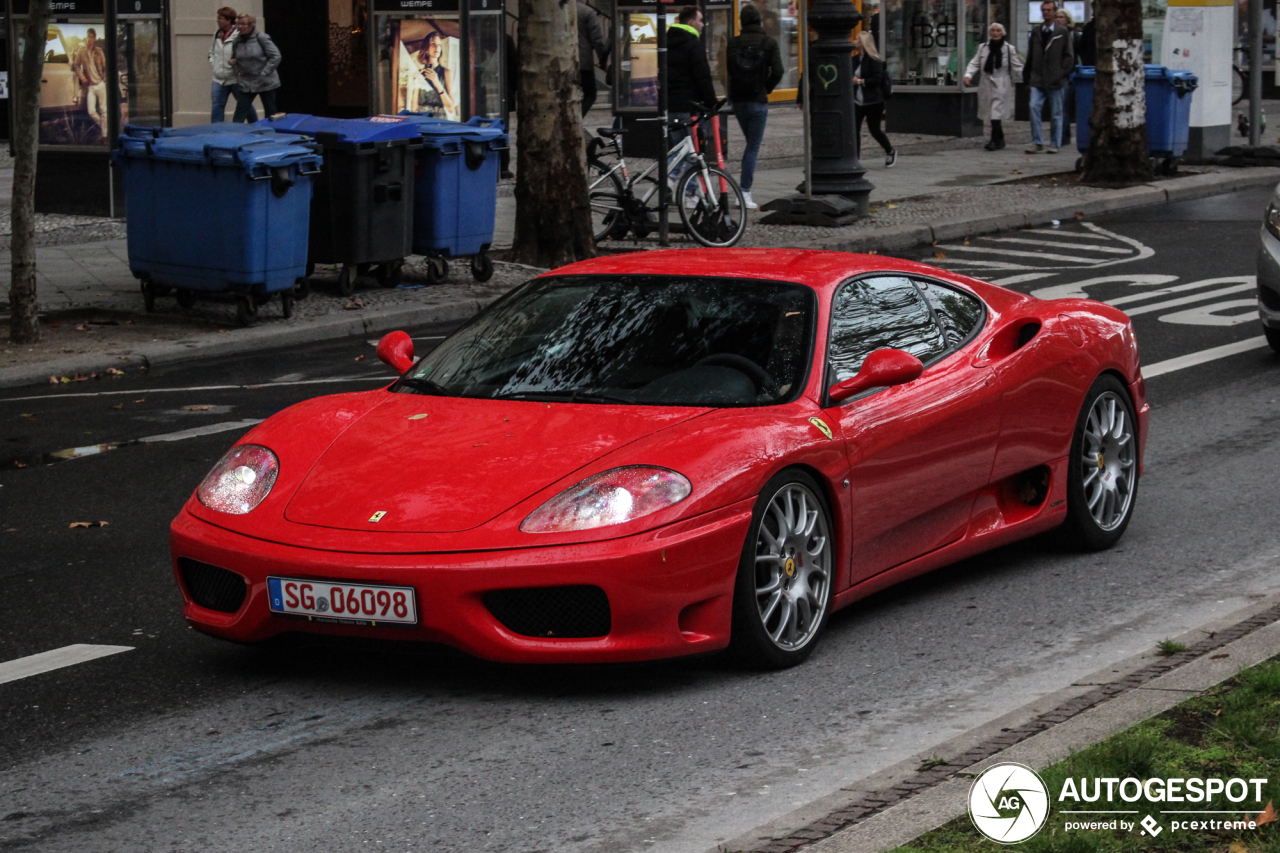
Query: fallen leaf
[[1218, 657], [966, 241], [196, 408], [1080, 214], [80, 377], [1237, 847], [17, 464], [65, 380], [140, 400], [359, 358], [939, 256], [1016, 172], [87, 524], [1218, 713], [222, 331], [30, 416], [353, 305], [892, 206], [1268, 815], [82, 328], [118, 406], [111, 371], [122, 358], [53, 380]]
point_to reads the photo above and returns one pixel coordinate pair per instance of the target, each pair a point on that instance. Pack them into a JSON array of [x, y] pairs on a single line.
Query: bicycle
[[710, 202]]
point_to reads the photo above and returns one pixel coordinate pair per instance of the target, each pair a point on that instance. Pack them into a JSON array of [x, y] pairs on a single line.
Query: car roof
[[821, 270]]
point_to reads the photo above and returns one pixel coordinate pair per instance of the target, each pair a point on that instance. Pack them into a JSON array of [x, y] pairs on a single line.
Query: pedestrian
[[1069, 102], [591, 43], [89, 65], [1050, 60], [869, 78], [688, 75], [224, 73], [995, 65], [255, 57], [755, 68]]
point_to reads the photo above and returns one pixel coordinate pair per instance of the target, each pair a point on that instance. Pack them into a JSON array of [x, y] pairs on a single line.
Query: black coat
[[688, 72], [872, 74]]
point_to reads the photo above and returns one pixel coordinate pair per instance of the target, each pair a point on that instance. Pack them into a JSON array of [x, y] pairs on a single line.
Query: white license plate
[[343, 602]]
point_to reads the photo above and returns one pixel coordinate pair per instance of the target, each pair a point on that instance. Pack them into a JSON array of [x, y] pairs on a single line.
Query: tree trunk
[[553, 218], [24, 325], [1118, 134]]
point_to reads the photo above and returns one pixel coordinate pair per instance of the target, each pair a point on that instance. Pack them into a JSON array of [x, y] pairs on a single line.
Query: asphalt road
[[187, 743]]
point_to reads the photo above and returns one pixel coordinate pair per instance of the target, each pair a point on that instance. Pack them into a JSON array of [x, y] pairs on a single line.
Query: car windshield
[[650, 340]]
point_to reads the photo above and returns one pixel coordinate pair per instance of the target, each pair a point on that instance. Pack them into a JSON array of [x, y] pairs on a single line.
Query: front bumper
[[1269, 280], [670, 590]]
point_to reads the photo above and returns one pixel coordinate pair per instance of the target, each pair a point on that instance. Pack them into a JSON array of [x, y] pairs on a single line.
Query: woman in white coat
[[998, 65]]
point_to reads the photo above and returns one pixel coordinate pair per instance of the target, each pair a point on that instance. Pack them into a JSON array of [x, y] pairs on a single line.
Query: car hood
[[447, 464]]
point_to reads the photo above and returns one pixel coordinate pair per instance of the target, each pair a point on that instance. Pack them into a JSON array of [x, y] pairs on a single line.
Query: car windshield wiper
[[424, 386], [563, 397]]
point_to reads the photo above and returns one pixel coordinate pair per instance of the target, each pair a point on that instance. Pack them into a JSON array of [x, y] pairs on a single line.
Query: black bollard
[[836, 169]]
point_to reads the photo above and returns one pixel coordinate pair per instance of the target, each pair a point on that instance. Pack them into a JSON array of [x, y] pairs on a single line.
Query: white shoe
[[690, 201], [748, 201]]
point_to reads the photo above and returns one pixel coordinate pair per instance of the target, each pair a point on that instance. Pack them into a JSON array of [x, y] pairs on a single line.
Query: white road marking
[[1194, 358], [145, 391], [56, 659], [1075, 235], [196, 432], [1076, 290], [1182, 288], [1086, 248], [1014, 253], [1207, 315], [1136, 251], [1187, 300], [1019, 279]]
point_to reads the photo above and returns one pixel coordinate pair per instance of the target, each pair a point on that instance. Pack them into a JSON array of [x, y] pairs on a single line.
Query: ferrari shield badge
[[377, 516], [822, 426]]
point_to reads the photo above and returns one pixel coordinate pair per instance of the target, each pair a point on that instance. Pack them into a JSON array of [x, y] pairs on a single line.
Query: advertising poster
[[425, 57], [73, 90]]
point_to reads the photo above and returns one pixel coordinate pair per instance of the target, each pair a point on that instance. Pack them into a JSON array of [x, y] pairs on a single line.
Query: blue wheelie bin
[[220, 212], [363, 204], [456, 192], [1168, 117]]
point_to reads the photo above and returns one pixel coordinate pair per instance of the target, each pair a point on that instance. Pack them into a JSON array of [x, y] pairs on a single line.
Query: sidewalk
[[941, 188]]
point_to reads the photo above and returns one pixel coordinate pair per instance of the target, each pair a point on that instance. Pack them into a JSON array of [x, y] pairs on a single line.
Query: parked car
[[1269, 272], [668, 453]]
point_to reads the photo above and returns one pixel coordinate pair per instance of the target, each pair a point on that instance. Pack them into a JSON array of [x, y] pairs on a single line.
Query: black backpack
[[749, 68]]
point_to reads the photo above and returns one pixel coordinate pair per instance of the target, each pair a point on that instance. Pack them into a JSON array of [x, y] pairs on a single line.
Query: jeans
[[751, 118], [219, 95], [95, 102], [244, 104], [1055, 98]]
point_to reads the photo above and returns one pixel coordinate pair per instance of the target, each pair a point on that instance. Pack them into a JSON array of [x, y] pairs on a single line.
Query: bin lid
[[353, 131], [437, 132], [255, 153], [1154, 72]]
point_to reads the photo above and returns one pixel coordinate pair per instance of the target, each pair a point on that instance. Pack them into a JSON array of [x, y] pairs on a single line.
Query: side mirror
[[881, 369], [396, 351]]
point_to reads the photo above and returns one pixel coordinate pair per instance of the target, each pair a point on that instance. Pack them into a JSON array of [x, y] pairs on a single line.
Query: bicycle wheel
[[714, 217], [608, 213], [1239, 84]]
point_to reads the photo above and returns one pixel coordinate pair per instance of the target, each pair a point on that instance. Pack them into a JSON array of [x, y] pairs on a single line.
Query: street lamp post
[[829, 84]]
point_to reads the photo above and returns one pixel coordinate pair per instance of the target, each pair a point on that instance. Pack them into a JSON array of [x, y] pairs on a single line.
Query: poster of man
[[73, 90], [425, 54]]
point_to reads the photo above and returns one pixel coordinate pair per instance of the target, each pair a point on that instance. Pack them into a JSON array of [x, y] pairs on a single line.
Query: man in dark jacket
[[1050, 61], [755, 68], [590, 43], [688, 72]]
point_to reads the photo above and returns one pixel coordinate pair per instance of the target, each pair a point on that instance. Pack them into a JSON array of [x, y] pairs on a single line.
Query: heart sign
[[828, 74]]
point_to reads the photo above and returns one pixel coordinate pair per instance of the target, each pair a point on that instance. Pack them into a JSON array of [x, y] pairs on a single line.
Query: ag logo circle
[[1008, 803]]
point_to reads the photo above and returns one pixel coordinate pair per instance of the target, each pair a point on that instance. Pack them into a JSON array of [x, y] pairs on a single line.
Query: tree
[[553, 217], [24, 324], [1118, 134]]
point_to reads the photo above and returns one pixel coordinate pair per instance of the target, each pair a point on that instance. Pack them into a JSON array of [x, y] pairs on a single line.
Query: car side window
[[959, 313], [878, 313]]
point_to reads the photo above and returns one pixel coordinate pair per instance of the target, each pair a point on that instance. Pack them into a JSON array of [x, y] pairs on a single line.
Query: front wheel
[[1102, 477], [711, 207], [783, 592]]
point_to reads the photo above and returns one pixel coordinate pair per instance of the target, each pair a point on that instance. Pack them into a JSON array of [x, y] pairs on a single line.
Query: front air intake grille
[[211, 587], [1269, 298], [553, 611]]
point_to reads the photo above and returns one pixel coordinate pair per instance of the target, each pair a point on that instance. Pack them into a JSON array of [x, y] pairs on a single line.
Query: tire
[[1239, 84], [1102, 473], [301, 289], [347, 280], [782, 597], [186, 297], [481, 267], [245, 309], [718, 219], [149, 295], [286, 303], [1273, 337], [608, 210]]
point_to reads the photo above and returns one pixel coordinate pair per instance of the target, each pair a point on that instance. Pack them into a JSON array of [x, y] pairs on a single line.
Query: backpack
[[749, 68]]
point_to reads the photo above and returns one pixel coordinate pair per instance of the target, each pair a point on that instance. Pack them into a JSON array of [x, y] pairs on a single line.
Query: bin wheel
[[481, 267], [437, 270], [301, 288], [1171, 165], [347, 280], [245, 309], [186, 297], [390, 273], [149, 295], [286, 303]]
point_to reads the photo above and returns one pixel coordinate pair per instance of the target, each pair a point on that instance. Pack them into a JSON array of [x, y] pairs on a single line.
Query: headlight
[[1272, 220], [623, 494], [241, 479]]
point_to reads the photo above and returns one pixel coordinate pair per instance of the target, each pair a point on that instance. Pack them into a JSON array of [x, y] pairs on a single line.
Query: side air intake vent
[[212, 587]]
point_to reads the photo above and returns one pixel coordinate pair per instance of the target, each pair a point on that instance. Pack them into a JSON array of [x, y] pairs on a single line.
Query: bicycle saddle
[[610, 132]]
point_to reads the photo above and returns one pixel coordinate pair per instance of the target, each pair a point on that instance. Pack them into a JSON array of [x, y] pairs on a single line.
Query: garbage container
[[363, 204], [220, 212], [456, 192], [1168, 116]]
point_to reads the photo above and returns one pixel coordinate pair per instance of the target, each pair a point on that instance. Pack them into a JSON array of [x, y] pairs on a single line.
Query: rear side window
[[882, 312], [959, 313]]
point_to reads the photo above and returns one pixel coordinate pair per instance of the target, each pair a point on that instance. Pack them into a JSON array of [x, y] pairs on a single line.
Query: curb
[[902, 802]]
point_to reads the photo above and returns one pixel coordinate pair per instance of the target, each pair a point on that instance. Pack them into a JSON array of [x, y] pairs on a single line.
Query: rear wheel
[[186, 297], [608, 214], [481, 267], [286, 303], [1102, 477], [390, 273], [712, 209], [1273, 337], [149, 291], [783, 592], [246, 307], [347, 280]]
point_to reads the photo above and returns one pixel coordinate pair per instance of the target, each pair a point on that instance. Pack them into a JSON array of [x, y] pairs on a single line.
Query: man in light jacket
[[224, 73], [256, 58], [1050, 60]]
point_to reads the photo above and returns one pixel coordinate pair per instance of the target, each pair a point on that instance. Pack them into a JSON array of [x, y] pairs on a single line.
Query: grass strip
[[1230, 731]]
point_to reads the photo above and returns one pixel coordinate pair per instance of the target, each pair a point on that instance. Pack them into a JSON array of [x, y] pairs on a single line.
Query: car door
[[919, 452]]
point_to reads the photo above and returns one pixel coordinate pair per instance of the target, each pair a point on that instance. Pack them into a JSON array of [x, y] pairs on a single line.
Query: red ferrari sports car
[[669, 453]]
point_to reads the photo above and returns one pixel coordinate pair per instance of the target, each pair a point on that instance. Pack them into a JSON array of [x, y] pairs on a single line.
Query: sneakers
[[891, 159], [748, 201], [1034, 149], [990, 146], [1051, 150]]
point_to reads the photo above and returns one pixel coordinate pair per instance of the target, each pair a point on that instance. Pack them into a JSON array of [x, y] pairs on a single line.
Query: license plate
[[362, 604]]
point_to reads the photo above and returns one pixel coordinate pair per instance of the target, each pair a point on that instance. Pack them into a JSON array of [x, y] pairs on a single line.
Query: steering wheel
[[764, 383]]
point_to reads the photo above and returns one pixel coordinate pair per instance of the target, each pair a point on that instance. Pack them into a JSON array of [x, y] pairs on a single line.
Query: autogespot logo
[[1008, 803]]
